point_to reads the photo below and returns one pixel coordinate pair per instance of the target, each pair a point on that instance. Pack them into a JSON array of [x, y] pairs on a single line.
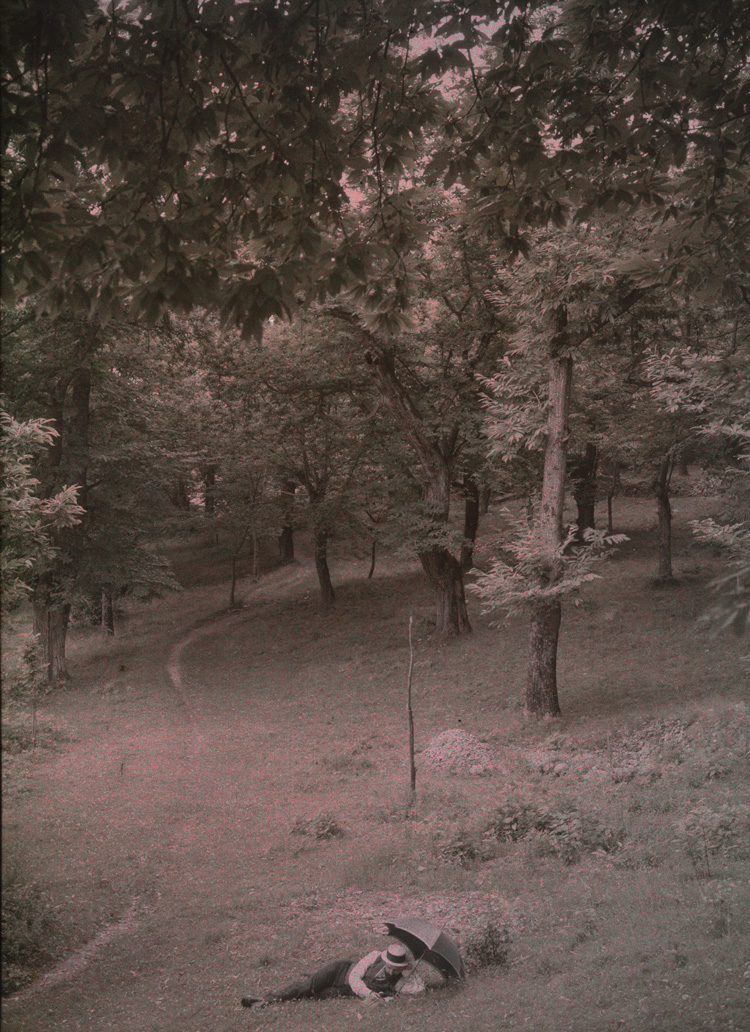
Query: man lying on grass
[[378, 976]]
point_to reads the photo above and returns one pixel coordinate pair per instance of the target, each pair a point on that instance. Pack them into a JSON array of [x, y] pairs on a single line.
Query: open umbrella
[[429, 943]]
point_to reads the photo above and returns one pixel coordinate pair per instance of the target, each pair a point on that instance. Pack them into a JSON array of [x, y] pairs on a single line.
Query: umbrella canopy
[[429, 943]]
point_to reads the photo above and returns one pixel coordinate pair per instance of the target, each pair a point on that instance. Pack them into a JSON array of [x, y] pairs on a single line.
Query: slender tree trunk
[[484, 499], [179, 495], [50, 597], [660, 488], [209, 490], [442, 568], [471, 522], [373, 553], [612, 489], [321, 567], [108, 610], [233, 584], [286, 537], [541, 690], [584, 479], [410, 717], [256, 558]]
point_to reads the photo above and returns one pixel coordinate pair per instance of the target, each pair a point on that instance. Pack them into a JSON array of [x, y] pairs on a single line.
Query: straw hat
[[396, 956]]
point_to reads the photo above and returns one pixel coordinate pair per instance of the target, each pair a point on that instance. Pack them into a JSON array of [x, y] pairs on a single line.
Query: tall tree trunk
[[51, 594], [286, 537], [660, 487], [612, 489], [233, 583], [321, 567], [209, 490], [256, 557], [471, 522], [108, 610], [446, 577], [584, 478], [541, 690], [286, 544], [442, 568], [178, 496], [51, 618], [373, 556], [485, 495]]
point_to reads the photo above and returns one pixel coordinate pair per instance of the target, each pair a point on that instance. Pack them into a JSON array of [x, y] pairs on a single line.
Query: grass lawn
[[220, 802]]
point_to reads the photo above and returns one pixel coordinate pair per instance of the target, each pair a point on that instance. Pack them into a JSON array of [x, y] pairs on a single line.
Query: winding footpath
[[277, 585]]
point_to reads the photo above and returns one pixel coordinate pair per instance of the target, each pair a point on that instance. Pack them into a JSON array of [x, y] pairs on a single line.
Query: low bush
[[566, 834], [487, 946], [706, 832], [462, 848], [21, 734], [324, 826], [513, 821]]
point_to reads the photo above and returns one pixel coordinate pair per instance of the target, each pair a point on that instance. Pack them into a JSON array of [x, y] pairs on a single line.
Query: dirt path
[[168, 743], [73, 965]]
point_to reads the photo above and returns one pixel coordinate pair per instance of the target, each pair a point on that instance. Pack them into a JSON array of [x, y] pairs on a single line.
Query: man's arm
[[411, 984], [357, 973]]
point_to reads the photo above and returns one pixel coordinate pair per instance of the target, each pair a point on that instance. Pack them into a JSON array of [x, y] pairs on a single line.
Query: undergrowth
[[487, 946], [28, 928]]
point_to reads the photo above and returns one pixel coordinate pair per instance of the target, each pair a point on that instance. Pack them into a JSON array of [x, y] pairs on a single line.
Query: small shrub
[[513, 821], [21, 734], [566, 834], [26, 682], [461, 848], [487, 946], [705, 832], [324, 826], [575, 835]]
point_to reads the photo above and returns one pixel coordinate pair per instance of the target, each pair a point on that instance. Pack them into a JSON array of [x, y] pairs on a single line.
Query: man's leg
[[326, 982]]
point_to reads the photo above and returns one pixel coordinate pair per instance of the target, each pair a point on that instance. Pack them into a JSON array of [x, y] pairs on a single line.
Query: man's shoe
[[254, 1002]]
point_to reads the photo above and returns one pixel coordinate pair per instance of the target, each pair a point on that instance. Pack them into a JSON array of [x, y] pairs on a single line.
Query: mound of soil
[[458, 752]]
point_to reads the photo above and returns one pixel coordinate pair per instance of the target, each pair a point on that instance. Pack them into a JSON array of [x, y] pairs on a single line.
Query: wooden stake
[[410, 715]]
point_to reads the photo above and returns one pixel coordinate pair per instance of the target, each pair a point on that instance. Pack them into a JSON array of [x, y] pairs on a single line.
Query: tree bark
[[209, 490], [471, 522], [584, 479], [446, 577], [51, 619], [541, 689], [541, 692], [660, 488], [321, 567]]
